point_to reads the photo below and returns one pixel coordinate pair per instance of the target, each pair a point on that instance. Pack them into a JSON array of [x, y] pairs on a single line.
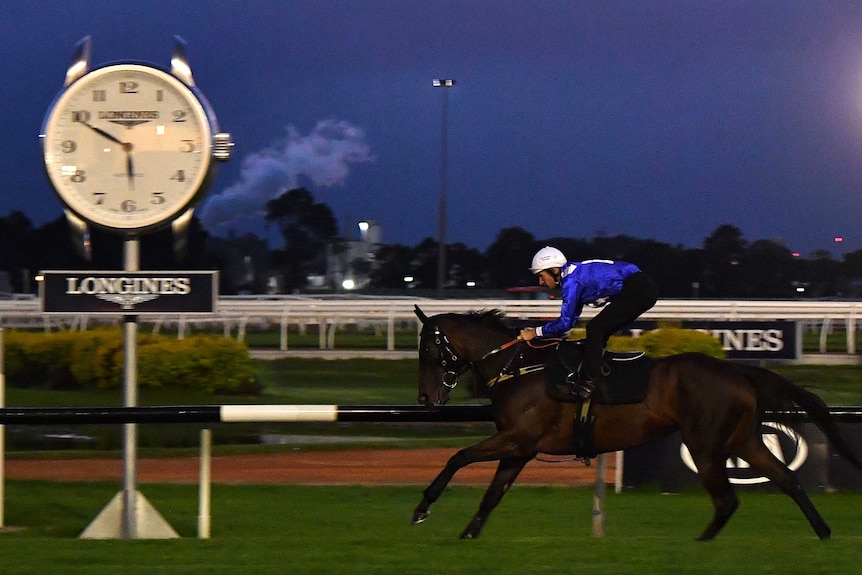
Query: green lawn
[[319, 381], [351, 530], [357, 529]]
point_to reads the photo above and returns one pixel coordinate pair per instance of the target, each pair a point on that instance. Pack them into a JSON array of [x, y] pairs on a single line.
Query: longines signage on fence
[[667, 464], [744, 339], [187, 292]]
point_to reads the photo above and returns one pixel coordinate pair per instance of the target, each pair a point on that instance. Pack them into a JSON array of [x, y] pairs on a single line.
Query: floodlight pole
[[444, 149]]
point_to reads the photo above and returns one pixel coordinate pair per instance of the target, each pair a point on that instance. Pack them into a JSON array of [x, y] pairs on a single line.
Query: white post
[[599, 498], [204, 497], [2, 431], [390, 331], [618, 473]]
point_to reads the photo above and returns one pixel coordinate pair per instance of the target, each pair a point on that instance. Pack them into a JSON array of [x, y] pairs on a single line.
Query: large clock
[[130, 147]]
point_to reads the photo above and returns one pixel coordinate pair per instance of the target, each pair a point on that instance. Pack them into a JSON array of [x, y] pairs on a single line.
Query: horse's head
[[449, 345]]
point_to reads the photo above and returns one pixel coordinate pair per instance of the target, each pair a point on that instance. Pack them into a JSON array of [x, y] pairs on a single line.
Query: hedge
[[94, 359], [670, 341]]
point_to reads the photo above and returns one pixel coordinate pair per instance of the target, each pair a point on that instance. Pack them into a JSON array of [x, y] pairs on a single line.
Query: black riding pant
[[639, 294]]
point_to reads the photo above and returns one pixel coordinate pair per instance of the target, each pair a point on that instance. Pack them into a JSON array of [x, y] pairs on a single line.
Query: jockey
[[622, 288]]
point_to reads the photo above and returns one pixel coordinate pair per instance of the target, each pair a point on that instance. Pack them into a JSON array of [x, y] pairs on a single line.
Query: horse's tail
[[778, 399]]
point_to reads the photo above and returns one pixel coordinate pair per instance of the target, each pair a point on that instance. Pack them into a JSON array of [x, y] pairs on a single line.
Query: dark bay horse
[[717, 406]]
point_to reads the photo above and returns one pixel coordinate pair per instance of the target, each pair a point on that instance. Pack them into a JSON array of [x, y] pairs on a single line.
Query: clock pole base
[[108, 524]]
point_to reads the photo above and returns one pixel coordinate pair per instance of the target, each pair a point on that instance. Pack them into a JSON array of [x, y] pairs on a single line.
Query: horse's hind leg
[[713, 475], [761, 459], [507, 472]]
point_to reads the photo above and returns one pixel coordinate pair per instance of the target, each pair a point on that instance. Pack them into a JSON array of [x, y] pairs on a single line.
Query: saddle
[[624, 374], [624, 381]]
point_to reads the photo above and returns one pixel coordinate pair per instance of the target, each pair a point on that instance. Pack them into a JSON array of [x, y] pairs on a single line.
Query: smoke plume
[[323, 156]]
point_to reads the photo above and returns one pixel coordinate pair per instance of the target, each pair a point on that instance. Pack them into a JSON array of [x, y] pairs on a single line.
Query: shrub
[[95, 359], [216, 364], [670, 341]]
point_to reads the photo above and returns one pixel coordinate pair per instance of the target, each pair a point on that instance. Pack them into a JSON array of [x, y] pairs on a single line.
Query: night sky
[[656, 119]]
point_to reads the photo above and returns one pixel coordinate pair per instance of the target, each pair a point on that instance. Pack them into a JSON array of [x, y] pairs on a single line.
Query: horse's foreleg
[[435, 489], [494, 448], [507, 472], [760, 458]]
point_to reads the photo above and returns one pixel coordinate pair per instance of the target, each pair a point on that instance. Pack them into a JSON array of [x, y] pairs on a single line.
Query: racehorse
[[716, 405]]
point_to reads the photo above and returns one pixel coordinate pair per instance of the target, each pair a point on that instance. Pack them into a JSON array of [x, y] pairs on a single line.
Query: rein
[[448, 358], [505, 346]]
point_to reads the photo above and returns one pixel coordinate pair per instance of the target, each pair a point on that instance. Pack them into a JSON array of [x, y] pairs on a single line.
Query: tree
[[465, 264], [769, 270], [508, 258], [723, 252], [307, 227], [16, 237], [423, 265], [393, 266]]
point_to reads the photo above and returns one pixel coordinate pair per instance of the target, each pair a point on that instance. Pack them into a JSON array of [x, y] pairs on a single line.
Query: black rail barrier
[[244, 413], [283, 413]]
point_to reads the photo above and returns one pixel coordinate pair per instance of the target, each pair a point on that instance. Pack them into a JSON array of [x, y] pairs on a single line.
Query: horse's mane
[[492, 318]]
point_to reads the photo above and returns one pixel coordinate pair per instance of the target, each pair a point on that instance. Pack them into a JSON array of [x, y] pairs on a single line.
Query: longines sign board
[[129, 293], [667, 462], [754, 340]]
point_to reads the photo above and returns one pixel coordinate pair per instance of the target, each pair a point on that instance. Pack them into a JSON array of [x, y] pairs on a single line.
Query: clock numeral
[[128, 87], [179, 115], [158, 198], [179, 176], [79, 176], [100, 198], [188, 146], [68, 146], [100, 95], [80, 116], [128, 206]]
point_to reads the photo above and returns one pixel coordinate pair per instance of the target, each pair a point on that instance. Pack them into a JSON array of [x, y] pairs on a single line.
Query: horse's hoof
[[419, 517]]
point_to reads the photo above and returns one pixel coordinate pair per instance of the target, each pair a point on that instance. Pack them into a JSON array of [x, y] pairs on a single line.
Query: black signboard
[[129, 293], [754, 340], [667, 463]]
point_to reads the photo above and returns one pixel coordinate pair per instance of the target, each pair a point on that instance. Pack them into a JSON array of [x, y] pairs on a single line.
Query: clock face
[[128, 147]]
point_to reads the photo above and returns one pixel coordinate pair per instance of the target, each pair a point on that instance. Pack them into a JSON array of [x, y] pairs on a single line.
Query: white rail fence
[[236, 314]]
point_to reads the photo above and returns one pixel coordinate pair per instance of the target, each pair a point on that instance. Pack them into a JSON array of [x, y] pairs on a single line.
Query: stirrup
[[585, 389], [580, 386]]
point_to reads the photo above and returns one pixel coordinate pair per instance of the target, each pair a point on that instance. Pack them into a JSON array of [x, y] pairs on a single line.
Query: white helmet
[[547, 258]]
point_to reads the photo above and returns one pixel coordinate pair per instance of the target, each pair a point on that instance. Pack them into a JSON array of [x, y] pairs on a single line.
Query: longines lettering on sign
[[128, 285], [742, 339], [188, 292]]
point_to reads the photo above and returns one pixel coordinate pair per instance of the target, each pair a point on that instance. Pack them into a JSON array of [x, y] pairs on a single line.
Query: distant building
[[349, 263]]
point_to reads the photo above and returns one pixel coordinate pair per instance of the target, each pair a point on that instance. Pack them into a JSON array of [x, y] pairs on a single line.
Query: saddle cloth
[[624, 380]]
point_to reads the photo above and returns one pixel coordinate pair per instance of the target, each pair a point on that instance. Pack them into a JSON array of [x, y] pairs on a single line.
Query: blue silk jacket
[[590, 282]]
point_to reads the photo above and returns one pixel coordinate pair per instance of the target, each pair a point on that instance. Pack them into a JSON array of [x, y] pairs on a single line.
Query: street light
[[444, 142]]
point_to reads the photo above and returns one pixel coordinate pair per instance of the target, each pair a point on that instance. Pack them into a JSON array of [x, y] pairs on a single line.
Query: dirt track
[[367, 467]]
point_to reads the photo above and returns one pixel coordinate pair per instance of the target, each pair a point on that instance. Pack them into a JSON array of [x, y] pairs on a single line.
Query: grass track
[[346, 530]]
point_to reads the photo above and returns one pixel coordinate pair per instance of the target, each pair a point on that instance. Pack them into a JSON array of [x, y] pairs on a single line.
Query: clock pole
[[82, 142], [131, 257]]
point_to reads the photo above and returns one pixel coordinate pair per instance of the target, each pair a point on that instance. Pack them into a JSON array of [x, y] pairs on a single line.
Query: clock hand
[[130, 170], [102, 132]]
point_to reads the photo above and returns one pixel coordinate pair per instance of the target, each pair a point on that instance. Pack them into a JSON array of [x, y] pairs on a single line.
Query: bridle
[[448, 359]]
